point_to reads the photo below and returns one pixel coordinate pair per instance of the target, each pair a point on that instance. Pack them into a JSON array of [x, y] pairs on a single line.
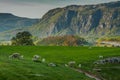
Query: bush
[[22, 38]]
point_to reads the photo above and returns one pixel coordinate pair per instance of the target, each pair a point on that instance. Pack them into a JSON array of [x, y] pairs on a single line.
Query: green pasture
[[28, 70]]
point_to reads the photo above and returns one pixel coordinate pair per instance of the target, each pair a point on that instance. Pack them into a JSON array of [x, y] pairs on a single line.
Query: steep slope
[[91, 21], [9, 21]]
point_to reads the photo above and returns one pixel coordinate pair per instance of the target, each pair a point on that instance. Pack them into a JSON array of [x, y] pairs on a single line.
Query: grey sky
[[37, 8]]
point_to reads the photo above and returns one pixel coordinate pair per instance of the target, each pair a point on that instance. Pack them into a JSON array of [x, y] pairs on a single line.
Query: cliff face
[[88, 20]]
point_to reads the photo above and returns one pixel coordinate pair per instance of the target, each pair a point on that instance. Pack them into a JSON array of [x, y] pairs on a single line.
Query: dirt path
[[87, 74]]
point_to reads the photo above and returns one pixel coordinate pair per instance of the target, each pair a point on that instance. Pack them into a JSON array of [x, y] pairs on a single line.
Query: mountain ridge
[[9, 21], [89, 21], [84, 20]]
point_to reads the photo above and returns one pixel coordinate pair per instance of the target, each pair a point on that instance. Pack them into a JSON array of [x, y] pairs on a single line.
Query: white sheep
[[52, 64], [36, 58], [15, 56], [43, 60], [79, 65], [66, 65], [100, 56], [21, 57], [71, 63]]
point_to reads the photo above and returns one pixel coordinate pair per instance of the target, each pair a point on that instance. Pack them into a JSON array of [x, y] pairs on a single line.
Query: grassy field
[[28, 70]]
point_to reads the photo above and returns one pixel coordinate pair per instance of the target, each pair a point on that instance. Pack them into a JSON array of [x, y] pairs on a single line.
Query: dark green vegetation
[[68, 40], [109, 71], [28, 70], [22, 38]]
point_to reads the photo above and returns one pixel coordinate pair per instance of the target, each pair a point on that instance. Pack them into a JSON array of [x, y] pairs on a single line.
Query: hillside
[[67, 40], [9, 21], [90, 21], [109, 41]]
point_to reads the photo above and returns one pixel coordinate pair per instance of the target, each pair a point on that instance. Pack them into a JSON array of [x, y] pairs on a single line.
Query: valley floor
[[26, 69]]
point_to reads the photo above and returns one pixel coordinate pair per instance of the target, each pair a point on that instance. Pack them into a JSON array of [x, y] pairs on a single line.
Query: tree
[[22, 38]]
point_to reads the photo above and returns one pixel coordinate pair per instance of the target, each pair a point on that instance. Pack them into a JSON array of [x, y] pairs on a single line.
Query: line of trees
[[25, 38]]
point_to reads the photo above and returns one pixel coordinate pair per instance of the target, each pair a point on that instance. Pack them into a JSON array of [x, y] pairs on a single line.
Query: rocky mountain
[[89, 21], [9, 21]]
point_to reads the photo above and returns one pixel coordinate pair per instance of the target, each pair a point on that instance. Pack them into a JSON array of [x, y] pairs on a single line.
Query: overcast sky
[[37, 8]]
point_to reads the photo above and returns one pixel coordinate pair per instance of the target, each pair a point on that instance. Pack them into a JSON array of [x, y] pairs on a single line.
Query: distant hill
[[9, 21], [11, 24]]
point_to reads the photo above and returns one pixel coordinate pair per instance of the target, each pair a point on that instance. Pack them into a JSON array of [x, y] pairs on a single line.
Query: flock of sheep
[[37, 58]]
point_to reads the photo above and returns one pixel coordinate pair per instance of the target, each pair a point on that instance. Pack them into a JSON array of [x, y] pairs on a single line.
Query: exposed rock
[[88, 20], [108, 60]]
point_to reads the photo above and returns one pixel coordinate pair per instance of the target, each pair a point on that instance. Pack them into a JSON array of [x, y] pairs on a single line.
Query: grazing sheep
[[15, 56], [36, 58], [100, 62], [21, 57], [66, 65], [52, 65], [43, 60], [71, 63], [96, 62], [101, 57], [79, 65]]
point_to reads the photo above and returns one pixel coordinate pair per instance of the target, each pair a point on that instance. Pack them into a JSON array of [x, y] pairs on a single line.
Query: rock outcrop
[[87, 20]]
